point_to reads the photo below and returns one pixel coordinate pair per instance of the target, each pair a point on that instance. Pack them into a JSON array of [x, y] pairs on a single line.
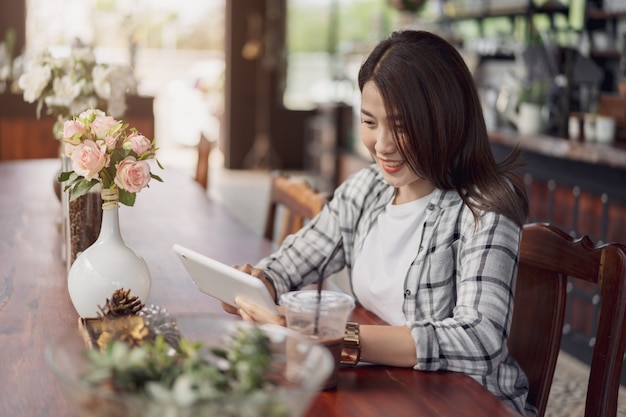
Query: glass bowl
[[299, 368]]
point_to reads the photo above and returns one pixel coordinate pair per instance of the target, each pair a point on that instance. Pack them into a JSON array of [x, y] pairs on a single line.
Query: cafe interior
[[253, 108]]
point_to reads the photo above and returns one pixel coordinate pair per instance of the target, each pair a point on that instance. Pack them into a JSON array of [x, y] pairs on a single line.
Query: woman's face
[[377, 137]]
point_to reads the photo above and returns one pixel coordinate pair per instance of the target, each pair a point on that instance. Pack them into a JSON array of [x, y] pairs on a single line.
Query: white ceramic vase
[[107, 265]]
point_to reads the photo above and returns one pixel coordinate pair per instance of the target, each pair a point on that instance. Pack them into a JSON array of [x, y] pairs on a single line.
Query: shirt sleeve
[[482, 261]]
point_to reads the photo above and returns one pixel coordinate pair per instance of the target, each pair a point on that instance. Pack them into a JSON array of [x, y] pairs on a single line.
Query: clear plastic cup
[[321, 316]]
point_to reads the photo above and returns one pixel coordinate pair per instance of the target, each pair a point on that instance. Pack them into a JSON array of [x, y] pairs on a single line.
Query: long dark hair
[[425, 83]]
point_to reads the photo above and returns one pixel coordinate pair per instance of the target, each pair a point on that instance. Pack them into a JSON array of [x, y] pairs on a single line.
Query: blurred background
[[272, 82]]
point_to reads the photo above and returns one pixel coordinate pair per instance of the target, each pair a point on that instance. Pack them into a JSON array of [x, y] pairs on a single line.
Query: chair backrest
[[548, 258], [298, 201]]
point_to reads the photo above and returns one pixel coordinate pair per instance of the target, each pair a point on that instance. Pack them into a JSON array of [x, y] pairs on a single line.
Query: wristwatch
[[351, 351]]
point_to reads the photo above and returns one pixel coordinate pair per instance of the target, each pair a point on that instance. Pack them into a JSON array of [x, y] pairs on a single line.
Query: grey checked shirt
[[458, 292]]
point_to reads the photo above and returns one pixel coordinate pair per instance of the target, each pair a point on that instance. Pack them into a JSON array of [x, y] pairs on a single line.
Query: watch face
[[351, 337], [350, 356]]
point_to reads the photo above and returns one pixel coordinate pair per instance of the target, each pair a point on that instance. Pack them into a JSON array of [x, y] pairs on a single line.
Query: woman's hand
[[251, 311]]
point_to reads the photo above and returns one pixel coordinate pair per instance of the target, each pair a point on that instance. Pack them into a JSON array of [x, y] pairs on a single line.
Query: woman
[[429, 233]]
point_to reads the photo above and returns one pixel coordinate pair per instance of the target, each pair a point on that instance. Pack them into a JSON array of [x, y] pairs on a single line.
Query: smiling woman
[[429, 234]]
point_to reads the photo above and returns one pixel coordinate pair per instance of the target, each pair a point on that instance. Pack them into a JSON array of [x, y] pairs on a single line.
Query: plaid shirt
[[458, 292]]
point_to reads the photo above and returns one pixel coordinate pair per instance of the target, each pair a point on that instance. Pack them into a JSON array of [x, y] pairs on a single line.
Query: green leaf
[[108, 176], [117, 128], [157, 372], [126, 198], [156, 177], [82, 188], [64, 176], [116, 156], [74, 179]]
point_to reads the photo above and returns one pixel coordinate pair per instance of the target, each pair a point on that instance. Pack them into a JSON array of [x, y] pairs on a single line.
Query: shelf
[[508, 12], [599, 14], [605, 54], [609, 155], [550, 7], [498, 56]]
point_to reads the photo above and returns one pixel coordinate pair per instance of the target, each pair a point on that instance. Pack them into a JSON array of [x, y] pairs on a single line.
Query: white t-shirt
[[389, 248]]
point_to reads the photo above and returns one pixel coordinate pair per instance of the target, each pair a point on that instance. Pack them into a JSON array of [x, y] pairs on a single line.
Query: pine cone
[[129, 329], [121, 304], [159, 321]]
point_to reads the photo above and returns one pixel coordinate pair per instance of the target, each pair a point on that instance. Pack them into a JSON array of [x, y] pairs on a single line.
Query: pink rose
[[138, 143], [72, 131], [103, 125], [69, 149], [72, 128], [89, 158], [132, 175], [110, 141], [89, 112]]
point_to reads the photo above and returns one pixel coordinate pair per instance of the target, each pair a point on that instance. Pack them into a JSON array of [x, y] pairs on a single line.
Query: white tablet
[[222, 281]]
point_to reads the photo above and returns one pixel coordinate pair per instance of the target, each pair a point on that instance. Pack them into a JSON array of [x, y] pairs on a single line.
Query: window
[[326, 42], [161, 38], [175, 47]]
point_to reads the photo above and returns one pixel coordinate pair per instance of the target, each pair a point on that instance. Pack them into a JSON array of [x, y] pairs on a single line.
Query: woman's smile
[[391, 167]]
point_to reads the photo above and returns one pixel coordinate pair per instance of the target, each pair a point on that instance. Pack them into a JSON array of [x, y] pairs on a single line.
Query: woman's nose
[[385, 144]]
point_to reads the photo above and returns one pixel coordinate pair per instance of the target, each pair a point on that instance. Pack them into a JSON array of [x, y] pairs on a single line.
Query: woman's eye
[[367, 122]]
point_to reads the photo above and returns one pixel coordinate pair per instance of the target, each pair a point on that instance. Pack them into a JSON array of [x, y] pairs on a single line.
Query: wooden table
[[35, 306]]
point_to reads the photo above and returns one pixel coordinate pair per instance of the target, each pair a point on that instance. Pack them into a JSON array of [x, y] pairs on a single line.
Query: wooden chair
[[202, 167], [548, 257], [298, 200]]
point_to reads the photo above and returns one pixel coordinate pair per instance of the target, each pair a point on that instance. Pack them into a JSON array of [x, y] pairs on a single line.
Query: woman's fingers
[[251, 311], [229, 309], [258, 273]]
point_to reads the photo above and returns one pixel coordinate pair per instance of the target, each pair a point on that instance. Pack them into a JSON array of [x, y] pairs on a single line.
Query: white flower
[[101, 83], [83, 102], [5, 72], [34, 82], [5, 62], [65, 92], [87, 114], [62, 64], [123, 82], [84, 54], [72, 84]]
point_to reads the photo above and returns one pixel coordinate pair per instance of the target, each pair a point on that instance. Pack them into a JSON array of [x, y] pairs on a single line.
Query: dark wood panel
[[590, 215], [539, 198], [27, 138], [563, 204]]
